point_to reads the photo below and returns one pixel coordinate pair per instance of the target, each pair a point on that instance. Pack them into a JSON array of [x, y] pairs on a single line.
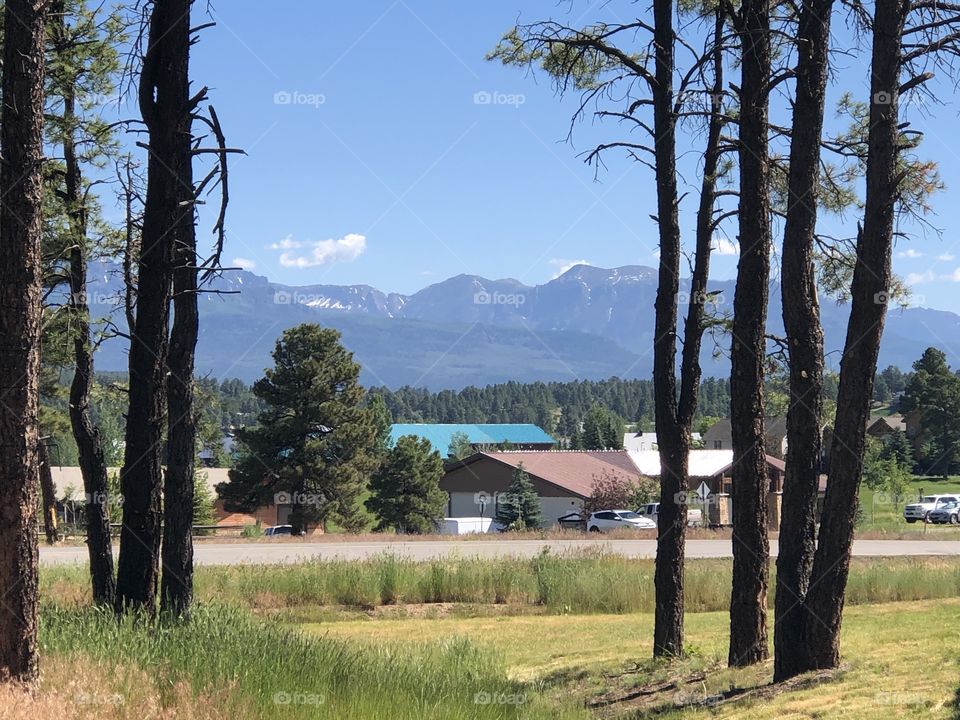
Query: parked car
[[927, 504], [651, 510], [945, 514], [278, 530], [607, 520]]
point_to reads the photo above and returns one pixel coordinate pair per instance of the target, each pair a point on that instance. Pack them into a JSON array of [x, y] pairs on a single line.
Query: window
[[718, 444]]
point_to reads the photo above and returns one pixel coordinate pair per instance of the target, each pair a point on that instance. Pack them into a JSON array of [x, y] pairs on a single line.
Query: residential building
[[563, 479], [714, 468], [720, 437], [641, 441], [483, 436]]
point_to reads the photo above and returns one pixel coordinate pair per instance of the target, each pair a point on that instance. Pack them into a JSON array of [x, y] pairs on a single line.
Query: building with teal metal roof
[[519, 436]]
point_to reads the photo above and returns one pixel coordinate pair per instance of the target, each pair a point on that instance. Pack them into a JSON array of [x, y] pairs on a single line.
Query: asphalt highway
[[279, 552]]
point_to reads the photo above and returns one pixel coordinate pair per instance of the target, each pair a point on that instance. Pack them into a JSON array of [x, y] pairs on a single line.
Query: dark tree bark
[[48, 495], [176, 591], [162, 101], [674, 417], [869, 293], [801, 320], [21, 139], [751, 552], [672, 517], [93, 465]]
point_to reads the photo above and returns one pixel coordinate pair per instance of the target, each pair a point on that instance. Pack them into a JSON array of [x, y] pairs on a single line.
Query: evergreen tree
[[314, 443], [406, 489], [460, 446], [203, 511], [602, 430], [934, 392], [576, 440], [896, 446], [519, 507], [382, 421]]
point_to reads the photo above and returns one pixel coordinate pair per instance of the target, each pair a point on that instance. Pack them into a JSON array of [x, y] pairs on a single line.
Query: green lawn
[[565, 638], [893, 668], [882, 514]]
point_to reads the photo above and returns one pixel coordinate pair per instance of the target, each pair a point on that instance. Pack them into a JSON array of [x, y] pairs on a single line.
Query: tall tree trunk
[[675, 416], [93, 465], [21, 139], [672, 516], [751, 552], [869, 292], [801, 319], [176, 591], [48, 495], [162, 99]]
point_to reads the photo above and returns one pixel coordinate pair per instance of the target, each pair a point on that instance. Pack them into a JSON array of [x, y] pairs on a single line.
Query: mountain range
[[588, 323]]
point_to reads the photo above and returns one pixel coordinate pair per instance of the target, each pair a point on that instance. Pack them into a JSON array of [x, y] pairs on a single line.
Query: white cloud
[[953, 277], [722, 246], [323, 252], [946, 257], [243, 263], [910, 253], [288, 243], [917, 278], [562, 265]]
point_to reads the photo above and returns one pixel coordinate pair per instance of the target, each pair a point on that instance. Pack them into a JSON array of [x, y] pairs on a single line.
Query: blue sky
[[383, 149]]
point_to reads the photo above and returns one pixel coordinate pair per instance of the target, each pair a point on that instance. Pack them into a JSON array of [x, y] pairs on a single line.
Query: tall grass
[[271, 672], [579, 582]]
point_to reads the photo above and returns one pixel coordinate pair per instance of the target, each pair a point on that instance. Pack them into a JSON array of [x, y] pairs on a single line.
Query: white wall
[[464, 504]]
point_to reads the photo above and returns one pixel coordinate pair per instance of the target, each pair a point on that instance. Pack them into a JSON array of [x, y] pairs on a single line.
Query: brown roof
[[572, 470]]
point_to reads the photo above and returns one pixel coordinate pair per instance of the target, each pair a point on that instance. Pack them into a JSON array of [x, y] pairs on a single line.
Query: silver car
[[921, 509], [945, 514]]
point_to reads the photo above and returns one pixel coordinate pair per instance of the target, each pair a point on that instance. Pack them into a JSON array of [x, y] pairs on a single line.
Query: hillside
[[589, 323]]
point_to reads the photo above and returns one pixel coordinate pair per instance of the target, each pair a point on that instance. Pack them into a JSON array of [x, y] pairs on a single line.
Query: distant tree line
[[557, 407]]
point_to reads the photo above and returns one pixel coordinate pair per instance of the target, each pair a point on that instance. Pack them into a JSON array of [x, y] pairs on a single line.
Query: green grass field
[[580, 582], [558, 637], [881, 514]]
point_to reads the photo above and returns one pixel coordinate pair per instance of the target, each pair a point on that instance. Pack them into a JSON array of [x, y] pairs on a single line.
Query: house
[[485, 436], [563, 479], [68, 484], [648, 440], [719, 436], [881, 426], [714, 468]]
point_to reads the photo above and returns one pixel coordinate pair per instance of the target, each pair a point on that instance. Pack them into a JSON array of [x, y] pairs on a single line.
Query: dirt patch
[[709, 688]]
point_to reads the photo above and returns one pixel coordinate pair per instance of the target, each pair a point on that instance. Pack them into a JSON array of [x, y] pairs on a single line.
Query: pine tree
[[460, 446], [314, 444], [406, 490], [519, 507]]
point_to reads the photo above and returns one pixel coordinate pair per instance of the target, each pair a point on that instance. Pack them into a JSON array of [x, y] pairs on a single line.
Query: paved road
[[280, 552]]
